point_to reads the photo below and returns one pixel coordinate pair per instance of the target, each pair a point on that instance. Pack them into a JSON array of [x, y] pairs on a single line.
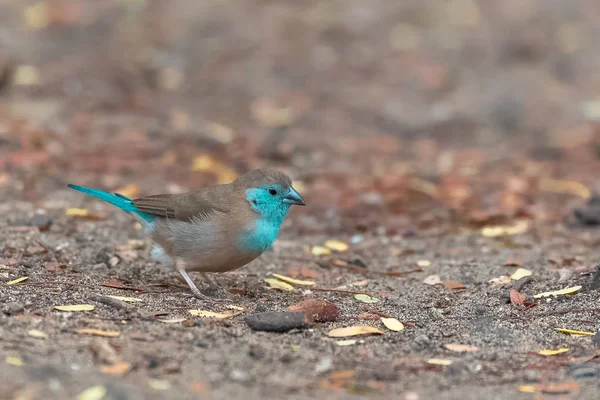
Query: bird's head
[[270, 193]]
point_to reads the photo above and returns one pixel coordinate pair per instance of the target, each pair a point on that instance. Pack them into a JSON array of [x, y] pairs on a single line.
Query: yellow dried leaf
[[76, 212], [205, 163], [565, 187], [37, 334], [573, 332], [336, 245], [92, 393], [320, 251], [354, 331], [212, 314], [520, 273], [553, 352], [37, 16], [461, 348], [75, 307], [365, 298], [238, 308], [348, 342], [393, 324], [26, 75], [118, 369], [294, 281], [97, 332], [277, 284], [132, 190], [16, 361], [439, 361], [424, 263], [505, 230], [171, 321], [127, 299], [159, 384], [569, 290], [14, 281], [527, 389]]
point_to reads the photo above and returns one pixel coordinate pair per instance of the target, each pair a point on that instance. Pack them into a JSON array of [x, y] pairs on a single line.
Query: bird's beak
[[294, 198]]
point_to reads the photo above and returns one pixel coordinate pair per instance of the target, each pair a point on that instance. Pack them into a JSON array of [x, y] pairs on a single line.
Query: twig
[[48, 283], [340, 291], [570, 310]]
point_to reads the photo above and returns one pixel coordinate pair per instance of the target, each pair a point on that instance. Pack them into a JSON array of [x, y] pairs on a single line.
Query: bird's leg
[[191, 284]]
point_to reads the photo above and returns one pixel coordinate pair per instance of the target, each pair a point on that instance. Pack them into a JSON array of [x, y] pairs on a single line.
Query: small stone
[[275, 321], [323, 365], [239, 375], [564, 274], [421, 342], [41, 221], [13, 308]]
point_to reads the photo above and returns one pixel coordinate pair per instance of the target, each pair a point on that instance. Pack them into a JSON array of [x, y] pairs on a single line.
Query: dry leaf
[[320, 251], [553, 352], [461, 348], [500, 281], [527, 389], [75, 307], [392, 324], [336, 245], [365, 298], [76, 212], [294, 281], [348, 342], [568, 387], [319, 309], [453, 285], [118, 369], [14, 281], [212, 314], [569, 290], [505, 230], [159, 384], [37, 334], [92, 393], [423, 263], [127, 299], [520, 273], [439, 361], [565, 187], [573, 332], [237, 308], [354, 331], [432, 280], [132, 190], [16, 361], [98, 332], [277, 284], [171, 321], [517, 298]]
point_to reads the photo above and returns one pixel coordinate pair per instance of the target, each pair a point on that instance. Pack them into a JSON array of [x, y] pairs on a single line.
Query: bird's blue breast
[[260, 236]]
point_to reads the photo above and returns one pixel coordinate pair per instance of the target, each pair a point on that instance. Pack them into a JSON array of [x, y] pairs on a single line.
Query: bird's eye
[[273, 192]]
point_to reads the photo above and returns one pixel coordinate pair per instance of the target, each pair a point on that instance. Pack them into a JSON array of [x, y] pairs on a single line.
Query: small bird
[[214, 229]]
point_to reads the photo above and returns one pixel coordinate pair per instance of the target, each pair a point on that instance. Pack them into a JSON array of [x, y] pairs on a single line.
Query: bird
[[214, 229]]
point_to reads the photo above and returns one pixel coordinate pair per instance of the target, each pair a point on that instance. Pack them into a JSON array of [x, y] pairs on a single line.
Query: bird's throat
[[260, 236]]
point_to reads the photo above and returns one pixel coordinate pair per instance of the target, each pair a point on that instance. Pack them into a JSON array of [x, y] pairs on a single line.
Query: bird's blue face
[[272, 203]]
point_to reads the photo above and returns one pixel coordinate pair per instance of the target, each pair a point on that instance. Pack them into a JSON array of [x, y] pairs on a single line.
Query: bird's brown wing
[[201, 204]]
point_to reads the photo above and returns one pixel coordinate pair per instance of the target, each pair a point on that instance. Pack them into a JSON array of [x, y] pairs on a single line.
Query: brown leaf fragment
[[453, 285], [461, 348], [354, 331], [517, 298], [319, 309], [117, 369], [275, 321]]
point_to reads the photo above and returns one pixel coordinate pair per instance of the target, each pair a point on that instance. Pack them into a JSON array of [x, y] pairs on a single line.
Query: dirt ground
[[449, 146]]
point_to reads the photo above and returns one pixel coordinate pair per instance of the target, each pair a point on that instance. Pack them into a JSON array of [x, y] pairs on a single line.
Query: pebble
[[14, 308], [42, 221], [274, 321]]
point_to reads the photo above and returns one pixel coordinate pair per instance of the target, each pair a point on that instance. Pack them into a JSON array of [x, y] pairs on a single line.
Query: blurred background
[[390, 116]]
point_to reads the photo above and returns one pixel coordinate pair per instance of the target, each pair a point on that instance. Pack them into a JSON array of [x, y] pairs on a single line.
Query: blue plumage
[[116, 199]]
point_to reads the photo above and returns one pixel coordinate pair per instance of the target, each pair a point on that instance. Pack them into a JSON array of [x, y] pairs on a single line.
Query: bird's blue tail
[[116, 199]]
